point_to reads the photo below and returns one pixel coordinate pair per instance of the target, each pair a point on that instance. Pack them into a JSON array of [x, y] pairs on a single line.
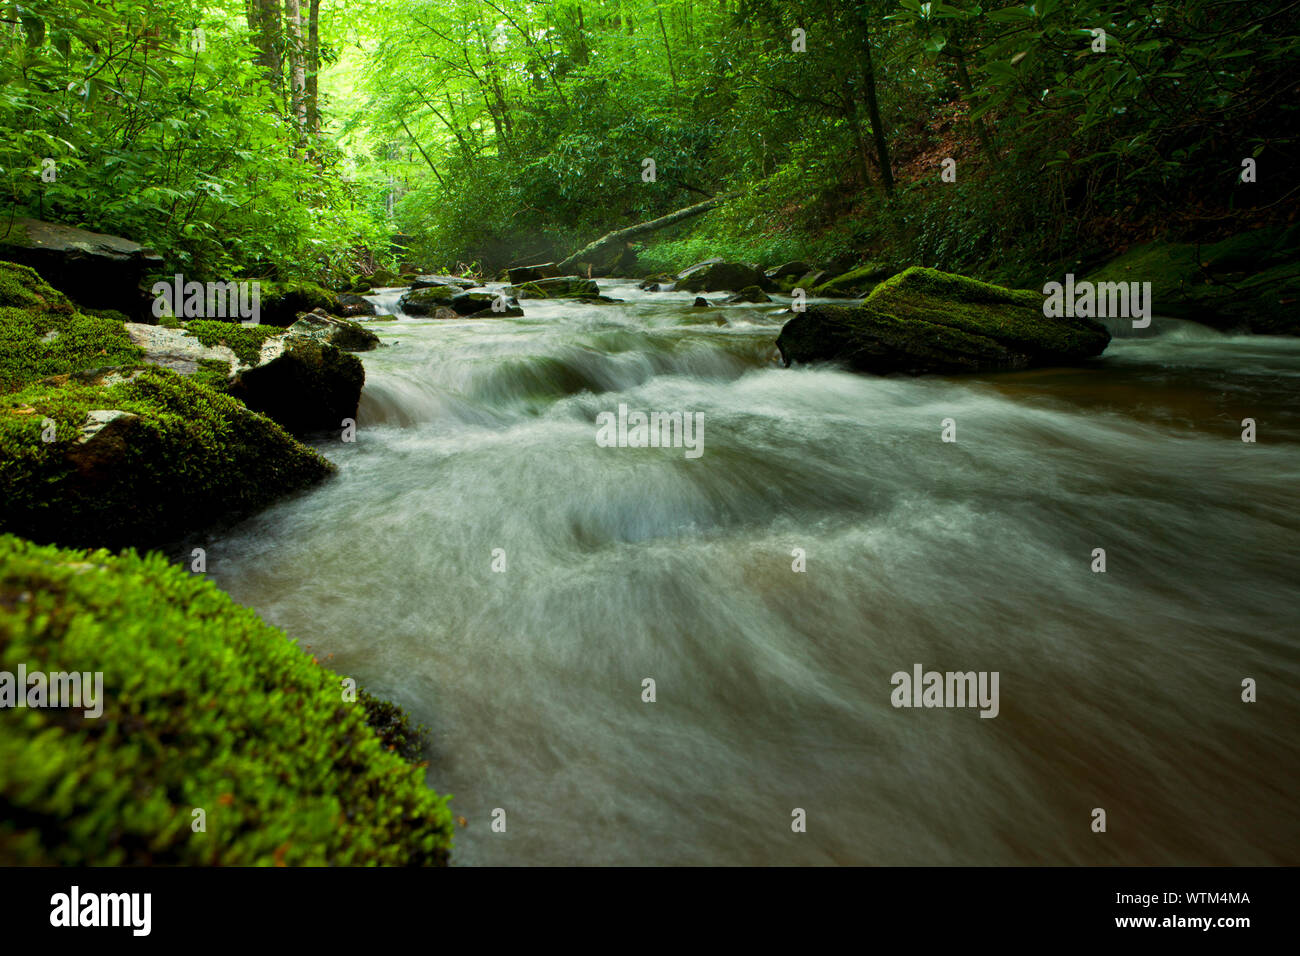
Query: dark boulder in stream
[[924, 321], [721, 276]]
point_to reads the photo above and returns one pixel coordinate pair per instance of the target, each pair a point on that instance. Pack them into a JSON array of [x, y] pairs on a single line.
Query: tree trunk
[[313, 66], [264, 21], [297, 69], [873, 111], [593, 249]]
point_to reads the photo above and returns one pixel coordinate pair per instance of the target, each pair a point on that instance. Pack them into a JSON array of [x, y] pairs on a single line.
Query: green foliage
[[204, 706], [186, 150]]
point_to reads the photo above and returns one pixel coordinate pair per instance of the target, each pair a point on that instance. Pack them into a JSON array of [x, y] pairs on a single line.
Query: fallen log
[[593, 250]]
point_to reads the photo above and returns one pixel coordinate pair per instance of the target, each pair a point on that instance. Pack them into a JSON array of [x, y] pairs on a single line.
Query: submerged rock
[[925, 321]]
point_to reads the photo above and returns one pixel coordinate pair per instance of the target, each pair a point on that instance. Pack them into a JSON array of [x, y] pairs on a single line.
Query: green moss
[[280, 302], [206, 707], [244, 340], [192, 457], [922, 320], [42, 333], [1251, 280], [857, 281]]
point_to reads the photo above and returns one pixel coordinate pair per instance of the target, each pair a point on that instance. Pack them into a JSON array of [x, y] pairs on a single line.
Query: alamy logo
[[103, 909], [953, 689], [1111, 300], [56, 689], [211, 300], [653, 430]]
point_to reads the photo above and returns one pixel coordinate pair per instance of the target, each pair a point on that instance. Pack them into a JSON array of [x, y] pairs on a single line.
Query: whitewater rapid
[[483, 561]]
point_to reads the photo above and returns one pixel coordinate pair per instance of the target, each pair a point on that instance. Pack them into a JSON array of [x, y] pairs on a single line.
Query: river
[[1119, 690]]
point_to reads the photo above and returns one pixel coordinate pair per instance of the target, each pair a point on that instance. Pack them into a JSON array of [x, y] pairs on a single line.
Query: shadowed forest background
[[297, 139]]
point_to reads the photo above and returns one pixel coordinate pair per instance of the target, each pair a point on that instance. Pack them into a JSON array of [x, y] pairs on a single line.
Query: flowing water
[[1118, 690]]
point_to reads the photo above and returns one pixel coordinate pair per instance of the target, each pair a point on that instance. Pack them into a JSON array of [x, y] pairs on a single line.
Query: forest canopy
[[312, 139]]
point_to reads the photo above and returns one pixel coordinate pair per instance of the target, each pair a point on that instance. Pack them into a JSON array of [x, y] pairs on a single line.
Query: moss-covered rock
[[479, 305], [176, 458], [246, 341], [856, 282], [280, 302], [350, 306], [341, 333], [721, 276], [98, 271], [309, 386], [1250, 281], [559, 287], [923, 321], [204, 707], [42, 333], [425, 300]]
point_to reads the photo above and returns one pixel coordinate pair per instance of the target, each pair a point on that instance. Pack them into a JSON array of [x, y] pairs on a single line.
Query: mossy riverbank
[[205, 707]]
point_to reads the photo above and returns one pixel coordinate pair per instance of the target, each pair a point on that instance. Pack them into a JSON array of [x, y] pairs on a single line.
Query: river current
[[483, 561]]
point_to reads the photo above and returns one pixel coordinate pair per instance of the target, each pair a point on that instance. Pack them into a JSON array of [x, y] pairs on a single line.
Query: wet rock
[[432, 280], [720, 276], [559, 287], [521, 274], [924, 321], [700, 303], [749, 294], [350, 306], [341, 333]]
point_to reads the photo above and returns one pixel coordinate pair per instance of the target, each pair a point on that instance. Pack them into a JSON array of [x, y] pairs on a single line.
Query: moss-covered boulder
[[281, 302], [307, 385], [854, 283], [97, 270], [479, 305], [721, 276], [341, 333], [426, 299], [559, 287], [202, 706], [923, 321], [138, 457], [42, 333], [1250, 281]]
